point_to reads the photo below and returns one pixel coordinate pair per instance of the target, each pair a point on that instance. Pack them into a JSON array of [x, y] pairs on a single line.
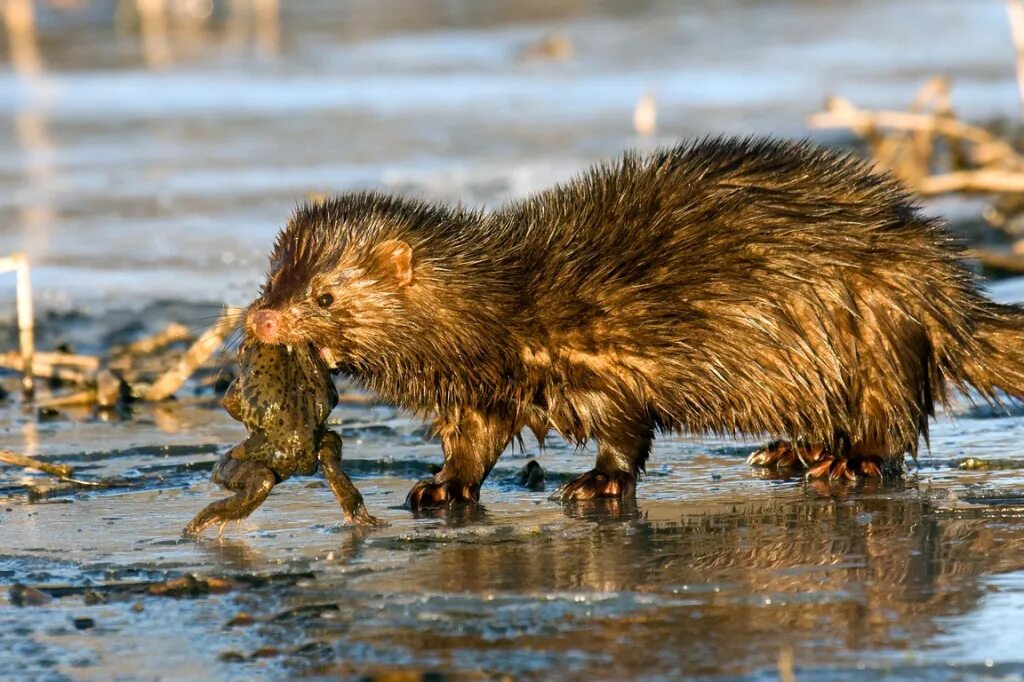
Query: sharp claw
[[834, 469], [820, 470], [817, 461], [596, 484], [784, 455], [871, 469], [433, 493]]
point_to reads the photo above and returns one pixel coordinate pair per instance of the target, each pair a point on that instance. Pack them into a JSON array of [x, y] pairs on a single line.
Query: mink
[[736, 287]]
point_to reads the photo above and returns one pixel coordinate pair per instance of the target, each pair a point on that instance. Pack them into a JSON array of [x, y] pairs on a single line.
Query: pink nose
[[265, 324]]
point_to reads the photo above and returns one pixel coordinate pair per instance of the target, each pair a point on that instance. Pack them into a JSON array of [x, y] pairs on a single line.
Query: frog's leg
[[250, 481], [233, 400], [348, 496]]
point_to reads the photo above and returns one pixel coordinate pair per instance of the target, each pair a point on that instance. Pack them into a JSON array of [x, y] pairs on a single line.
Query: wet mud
[[713, 572]]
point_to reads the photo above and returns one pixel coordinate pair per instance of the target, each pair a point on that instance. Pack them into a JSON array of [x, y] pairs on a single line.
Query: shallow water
[[130, 184]]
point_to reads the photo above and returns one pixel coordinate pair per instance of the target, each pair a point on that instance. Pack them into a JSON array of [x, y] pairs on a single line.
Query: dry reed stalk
[[998, 260], [268, 25], [198, 353], [20, 21], [785, 664], [156, 44], [982, 180], [85, 397], [18, 262], [173, 333], [89, 363], [909, 153], [840, 113], [1015, 11], [645, 115], [554, 46], [935, 89], [49, 370], [59, 470], [934, 93], [353, 398]]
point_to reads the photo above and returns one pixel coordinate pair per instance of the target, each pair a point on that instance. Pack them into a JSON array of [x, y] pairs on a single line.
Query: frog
[[283, 396]]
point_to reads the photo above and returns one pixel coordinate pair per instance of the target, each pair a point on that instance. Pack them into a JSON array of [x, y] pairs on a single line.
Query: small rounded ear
[[398, 255]]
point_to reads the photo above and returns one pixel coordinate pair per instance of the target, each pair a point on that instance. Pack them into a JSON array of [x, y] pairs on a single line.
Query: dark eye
[[324, 300]]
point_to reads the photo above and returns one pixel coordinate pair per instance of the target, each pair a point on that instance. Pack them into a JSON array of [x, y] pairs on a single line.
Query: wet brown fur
[[729, 286]]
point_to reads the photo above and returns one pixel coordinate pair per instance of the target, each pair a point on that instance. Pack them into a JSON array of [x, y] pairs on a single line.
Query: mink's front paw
[[432, 493], [595, 485]]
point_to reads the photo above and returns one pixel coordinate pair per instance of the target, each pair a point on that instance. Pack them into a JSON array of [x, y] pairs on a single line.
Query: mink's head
[[340, 279]]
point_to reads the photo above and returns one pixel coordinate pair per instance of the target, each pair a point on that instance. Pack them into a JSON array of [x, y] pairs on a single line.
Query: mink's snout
[[265, 325]]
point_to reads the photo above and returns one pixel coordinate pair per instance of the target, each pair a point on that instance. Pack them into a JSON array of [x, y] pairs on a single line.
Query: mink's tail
[[994, 363]]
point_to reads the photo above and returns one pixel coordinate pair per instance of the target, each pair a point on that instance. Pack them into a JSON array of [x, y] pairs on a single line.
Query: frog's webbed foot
[[250, 481], [341, 485]]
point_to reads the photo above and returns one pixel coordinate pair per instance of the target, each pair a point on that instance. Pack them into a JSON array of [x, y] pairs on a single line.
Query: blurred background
[[150, 149]]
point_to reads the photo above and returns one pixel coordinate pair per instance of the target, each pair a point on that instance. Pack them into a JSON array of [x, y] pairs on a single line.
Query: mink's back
[[747, 286], [721, 218]]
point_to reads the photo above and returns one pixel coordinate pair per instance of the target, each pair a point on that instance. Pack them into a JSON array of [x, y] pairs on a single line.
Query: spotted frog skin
[[283, 398]]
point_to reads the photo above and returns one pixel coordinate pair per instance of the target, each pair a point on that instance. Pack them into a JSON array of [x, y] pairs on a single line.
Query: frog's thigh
[[237, 473], [250, 481], [233, 400]]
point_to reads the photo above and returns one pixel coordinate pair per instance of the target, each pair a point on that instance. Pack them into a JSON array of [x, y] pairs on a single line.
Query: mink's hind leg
[[787, 456], [348, 495], [472, 444], [849, 468], [819, 462], [621, 454], [250, 481], [862, 461]]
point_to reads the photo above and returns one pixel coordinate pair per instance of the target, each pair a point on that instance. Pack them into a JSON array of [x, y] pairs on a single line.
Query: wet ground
[[144, 177], [715, 572]]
